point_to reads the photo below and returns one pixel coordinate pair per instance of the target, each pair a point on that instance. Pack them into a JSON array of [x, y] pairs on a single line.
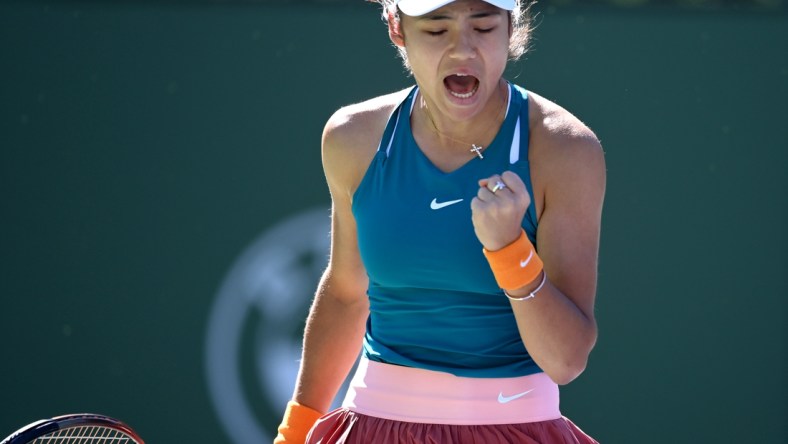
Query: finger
[[485, 195], [494, 183], [475, 203], [489, 181], [499, 187], [486, 181], [514, 182]]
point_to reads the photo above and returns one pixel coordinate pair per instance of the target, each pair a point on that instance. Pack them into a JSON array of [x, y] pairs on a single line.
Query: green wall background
[[144, 146]]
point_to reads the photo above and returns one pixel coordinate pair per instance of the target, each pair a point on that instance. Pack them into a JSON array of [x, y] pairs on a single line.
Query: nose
[[463, 46]]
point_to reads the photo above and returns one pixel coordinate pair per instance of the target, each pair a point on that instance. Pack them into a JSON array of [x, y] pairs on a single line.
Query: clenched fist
[[498, 210]]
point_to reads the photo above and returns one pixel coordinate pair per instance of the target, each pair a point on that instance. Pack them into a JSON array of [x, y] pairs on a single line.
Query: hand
[[497, 216]]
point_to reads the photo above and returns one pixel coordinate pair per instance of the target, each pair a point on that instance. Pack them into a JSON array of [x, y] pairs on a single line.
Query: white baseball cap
[[415, 8]]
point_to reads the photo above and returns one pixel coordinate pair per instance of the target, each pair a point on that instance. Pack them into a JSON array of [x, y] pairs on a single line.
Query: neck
[[476, 133]]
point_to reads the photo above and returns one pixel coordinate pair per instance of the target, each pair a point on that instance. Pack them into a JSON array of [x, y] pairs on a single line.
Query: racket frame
[[44, 427]]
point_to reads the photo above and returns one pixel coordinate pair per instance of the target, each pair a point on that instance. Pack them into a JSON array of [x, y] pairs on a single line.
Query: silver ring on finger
[[498, 186]]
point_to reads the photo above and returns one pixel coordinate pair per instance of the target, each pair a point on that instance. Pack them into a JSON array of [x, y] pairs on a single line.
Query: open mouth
[[462, 86]]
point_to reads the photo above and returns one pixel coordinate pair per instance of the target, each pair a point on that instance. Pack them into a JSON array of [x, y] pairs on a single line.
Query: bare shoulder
[[351, 138], [567, 162], [561, 143], [559, 132]]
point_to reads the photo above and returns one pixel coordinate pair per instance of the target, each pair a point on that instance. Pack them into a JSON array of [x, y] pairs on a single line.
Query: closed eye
[[435, 32]]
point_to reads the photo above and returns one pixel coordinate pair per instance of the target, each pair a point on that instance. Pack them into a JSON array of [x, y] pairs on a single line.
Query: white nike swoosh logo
[[525, 262], [504, 399], [437, 206]]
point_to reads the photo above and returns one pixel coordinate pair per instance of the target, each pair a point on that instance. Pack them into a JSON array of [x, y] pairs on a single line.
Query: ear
[[395, 30]]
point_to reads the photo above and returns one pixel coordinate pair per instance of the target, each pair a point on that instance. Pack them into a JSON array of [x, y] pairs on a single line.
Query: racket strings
[[86, 435]]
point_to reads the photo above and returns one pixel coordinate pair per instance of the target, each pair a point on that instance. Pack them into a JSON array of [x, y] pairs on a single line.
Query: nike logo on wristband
[[435, 205], [505, 399], [524, 263]]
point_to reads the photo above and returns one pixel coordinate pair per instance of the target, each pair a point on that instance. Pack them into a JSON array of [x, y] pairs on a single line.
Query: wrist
[[516, 265], [529, 291], [296, 424]]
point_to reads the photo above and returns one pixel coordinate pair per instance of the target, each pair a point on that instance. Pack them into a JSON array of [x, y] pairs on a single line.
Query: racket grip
[[296, 424]]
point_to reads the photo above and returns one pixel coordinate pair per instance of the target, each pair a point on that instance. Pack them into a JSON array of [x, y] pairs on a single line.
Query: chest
[[414, 222]]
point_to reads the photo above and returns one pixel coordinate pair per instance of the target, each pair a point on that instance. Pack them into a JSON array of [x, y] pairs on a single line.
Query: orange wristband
[[297, 423], [515, 265]]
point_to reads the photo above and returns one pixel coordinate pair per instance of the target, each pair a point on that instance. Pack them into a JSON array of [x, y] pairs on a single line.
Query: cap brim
[[416, 8]]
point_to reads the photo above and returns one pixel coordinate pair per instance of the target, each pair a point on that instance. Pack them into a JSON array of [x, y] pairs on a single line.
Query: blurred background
[[164, 214]]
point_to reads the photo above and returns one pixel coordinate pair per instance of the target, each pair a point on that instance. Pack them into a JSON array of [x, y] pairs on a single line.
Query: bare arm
[[336, 322], [335, 326], [558, 325]]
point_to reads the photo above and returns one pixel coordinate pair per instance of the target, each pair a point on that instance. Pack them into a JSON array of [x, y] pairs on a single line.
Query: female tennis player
[[466, 217]]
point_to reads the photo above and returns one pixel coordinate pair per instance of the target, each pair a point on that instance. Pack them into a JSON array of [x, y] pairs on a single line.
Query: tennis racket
[[75, 429]]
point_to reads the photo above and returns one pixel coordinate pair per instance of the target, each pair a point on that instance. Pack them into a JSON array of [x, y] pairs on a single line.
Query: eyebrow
[[477, 15]]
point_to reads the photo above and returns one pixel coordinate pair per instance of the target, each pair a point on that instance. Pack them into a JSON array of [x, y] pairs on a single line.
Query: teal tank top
[[434, 303]]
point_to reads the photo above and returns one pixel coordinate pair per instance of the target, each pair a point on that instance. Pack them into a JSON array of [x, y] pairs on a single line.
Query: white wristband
[[530, 295]]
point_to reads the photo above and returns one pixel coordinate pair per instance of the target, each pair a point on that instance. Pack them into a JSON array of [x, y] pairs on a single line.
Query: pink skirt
[[389, 404]]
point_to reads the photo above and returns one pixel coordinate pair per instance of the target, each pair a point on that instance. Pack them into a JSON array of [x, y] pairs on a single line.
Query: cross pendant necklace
[[477, 150]]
